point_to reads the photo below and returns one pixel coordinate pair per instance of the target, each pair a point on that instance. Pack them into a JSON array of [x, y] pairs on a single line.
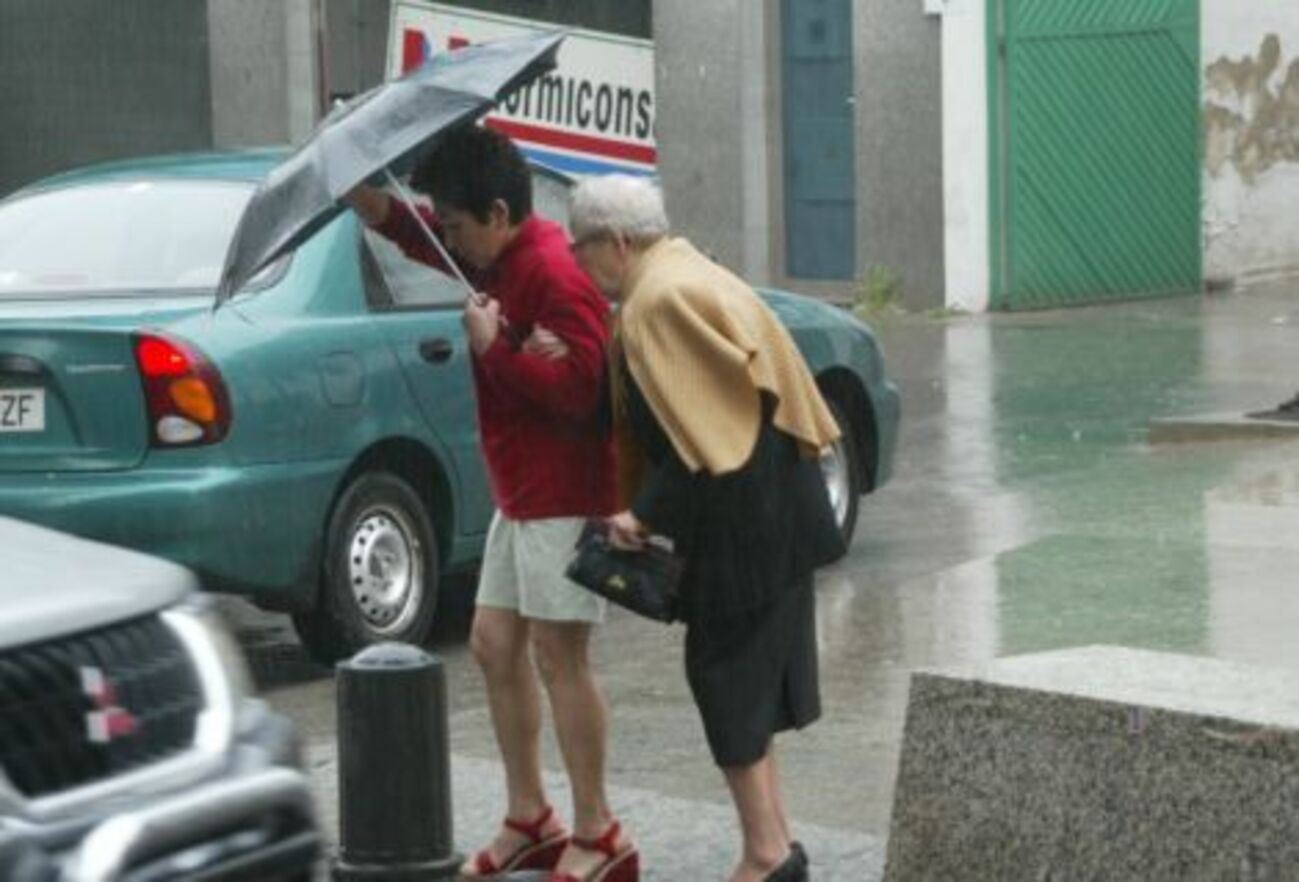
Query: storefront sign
[[593, 114]]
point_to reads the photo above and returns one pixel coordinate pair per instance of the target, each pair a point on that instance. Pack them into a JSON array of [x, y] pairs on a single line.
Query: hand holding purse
[[646, 581]]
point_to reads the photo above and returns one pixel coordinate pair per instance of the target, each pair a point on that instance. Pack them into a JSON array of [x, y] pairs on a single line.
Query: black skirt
[[751, 540], [754, 674]]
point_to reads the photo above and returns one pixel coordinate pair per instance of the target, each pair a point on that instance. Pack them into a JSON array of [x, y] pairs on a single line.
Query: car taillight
[[186, 397]]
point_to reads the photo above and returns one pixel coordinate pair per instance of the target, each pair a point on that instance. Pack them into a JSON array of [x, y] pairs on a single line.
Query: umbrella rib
[[428, 231]]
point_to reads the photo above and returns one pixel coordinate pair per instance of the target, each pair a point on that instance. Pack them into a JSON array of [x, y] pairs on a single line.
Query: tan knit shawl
[[701, 345]]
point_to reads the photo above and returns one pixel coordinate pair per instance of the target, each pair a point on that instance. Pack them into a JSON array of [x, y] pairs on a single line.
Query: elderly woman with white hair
[[719, 424]]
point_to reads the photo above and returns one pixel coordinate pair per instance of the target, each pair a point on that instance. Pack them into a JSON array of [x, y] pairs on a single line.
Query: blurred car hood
[[53, 584]]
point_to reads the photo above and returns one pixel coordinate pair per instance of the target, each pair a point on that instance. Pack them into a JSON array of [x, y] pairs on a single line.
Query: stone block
[[1099, 763]]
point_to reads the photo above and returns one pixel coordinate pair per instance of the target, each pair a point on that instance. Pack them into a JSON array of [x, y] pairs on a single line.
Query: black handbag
[[646, 582]]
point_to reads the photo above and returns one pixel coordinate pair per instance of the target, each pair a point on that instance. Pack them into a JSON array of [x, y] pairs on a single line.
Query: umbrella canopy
[[375, 132]]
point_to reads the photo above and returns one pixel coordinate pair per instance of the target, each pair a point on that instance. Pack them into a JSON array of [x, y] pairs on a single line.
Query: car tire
[[841, 469], [380, 572]]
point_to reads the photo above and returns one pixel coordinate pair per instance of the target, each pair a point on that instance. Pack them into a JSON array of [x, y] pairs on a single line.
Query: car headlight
[[221, 668]]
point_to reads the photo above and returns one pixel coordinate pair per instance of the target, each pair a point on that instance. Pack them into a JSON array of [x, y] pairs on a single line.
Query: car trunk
[[71, 397]]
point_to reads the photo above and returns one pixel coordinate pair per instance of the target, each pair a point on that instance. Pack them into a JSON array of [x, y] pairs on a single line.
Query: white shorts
[[523, 570]]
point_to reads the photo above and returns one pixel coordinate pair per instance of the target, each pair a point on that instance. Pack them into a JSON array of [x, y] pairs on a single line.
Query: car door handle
[[437, 350]]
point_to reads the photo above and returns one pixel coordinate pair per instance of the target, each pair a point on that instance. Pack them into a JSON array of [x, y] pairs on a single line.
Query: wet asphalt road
[[1027, 512]]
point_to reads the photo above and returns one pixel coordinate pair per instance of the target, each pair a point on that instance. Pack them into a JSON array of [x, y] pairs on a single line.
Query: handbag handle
[[600, 526]]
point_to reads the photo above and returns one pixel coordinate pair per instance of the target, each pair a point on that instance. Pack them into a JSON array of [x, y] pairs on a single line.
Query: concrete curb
[[1220, 427]]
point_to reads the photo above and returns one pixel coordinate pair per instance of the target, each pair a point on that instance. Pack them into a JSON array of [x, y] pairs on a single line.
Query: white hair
[[623, 205]]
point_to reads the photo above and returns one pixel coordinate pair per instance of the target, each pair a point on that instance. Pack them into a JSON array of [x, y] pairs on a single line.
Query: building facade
[[801, 140], [1110, 151], [1007, 154], [967, 154], [84, 81]]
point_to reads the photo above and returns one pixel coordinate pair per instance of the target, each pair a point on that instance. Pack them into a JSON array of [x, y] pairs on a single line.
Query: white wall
[[1250, 61], [965, 154]]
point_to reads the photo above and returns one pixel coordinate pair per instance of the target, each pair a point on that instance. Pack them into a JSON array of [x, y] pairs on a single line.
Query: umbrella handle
[[428, 231]]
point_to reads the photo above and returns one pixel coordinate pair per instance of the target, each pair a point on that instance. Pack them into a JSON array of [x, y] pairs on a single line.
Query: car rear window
[[138, 236]]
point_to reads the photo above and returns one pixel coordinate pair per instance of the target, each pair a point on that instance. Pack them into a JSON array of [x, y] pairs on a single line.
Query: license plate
[[22, 410]]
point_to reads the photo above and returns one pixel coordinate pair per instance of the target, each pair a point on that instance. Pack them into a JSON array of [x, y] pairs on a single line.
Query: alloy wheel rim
[[384, 569], [838, 482]]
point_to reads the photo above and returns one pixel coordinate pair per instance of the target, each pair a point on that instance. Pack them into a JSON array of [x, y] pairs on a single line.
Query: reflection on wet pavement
[[1028, 512]]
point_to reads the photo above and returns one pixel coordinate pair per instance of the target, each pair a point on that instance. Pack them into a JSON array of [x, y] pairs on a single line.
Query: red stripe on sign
[[571, 141], [412, 49]]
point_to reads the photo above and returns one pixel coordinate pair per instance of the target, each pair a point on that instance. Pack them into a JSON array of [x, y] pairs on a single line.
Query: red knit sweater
[[548, 454]]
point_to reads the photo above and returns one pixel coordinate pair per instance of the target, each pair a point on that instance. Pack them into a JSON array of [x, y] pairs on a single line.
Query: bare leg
[[499, 642], [581, 727], [777, 795], [765, 843]]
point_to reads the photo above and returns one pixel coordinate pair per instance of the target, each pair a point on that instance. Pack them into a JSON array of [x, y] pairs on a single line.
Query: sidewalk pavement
[[680, 840]]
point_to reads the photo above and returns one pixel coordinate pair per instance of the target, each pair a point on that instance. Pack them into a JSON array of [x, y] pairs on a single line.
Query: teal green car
[[312, 444]]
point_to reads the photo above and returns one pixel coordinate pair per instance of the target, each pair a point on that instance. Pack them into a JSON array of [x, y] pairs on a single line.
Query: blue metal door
[[820, 178]]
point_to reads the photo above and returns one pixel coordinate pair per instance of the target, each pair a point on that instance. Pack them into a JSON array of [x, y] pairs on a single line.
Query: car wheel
[[380, 575], [841, 469]]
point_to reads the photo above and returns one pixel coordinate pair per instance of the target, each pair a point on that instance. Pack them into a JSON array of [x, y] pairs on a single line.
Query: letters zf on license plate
[[22, 410]]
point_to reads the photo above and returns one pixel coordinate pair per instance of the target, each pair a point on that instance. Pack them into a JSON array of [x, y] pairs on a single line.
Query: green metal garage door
[[1096, 150]]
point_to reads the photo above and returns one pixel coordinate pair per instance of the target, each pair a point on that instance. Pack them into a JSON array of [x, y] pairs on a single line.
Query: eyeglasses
[[582, 241]]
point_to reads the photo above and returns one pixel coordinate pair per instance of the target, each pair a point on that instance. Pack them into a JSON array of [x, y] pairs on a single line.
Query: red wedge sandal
[[619, 865], [539, 853]]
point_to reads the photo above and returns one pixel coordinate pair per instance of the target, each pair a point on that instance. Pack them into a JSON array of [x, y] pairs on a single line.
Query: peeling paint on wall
[[1251, 112]]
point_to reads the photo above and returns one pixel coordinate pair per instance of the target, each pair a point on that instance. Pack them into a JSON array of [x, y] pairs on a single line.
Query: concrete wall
[[719, 136], [1251, 117], [83, 81], [900, 146], [356, 45], [87, 81], [761, 189], [698, 86], [264, 69]]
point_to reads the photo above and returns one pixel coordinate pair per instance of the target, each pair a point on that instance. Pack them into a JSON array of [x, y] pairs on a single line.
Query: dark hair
[[473, 167]]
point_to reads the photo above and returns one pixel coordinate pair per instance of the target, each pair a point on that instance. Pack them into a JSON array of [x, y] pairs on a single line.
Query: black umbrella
[[375, 132]]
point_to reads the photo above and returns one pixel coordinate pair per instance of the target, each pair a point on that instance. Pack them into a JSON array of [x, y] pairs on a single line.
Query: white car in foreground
[[130, 746]]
